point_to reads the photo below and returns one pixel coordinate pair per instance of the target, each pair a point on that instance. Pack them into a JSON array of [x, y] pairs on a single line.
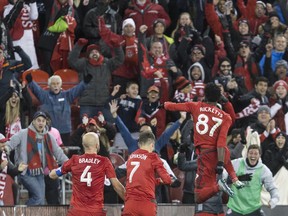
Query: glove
[[238, 184], [87, 78], [182, 148], [243, 137], [100, 119], [29, 77], [223, 99], [17, 49], [82, 41], [220, 167], [175, 182], [245, 177]]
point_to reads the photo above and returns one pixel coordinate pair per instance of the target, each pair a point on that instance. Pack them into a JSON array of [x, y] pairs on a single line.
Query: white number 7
[[136, 164], [86, 176]]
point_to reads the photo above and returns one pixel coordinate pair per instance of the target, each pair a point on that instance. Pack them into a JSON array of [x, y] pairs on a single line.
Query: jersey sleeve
[[67, 165], [227, 121], [109, 171], [159, 168], [187, 107]]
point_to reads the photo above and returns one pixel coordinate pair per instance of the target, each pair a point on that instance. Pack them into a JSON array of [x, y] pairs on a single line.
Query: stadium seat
[[177, 193], [41, 78], [116, 159], [69, 78]]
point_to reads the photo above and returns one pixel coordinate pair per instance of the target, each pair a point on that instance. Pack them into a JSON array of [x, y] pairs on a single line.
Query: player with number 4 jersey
[[211, 126], [142, 167], [88, 175]]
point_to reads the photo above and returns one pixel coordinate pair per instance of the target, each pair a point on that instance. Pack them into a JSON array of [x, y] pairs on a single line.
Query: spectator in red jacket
[[144, 12]]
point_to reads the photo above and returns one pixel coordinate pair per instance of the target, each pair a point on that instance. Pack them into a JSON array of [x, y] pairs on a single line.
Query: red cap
[[280, 83], [153, 88], [92, 47], [92, 121], [181, 82]]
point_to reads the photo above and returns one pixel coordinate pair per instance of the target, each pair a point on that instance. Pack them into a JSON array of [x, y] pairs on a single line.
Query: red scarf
[[34, 161], [98, 62], [3, 175], [131, 50]]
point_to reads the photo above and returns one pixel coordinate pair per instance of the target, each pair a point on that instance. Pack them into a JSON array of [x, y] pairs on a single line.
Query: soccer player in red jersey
[[142, 166], [88, 175], [211, 126]]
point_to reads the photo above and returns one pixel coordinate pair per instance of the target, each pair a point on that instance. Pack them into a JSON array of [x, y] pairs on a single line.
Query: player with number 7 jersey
[[88, 174], [142, 167], [211, 126]]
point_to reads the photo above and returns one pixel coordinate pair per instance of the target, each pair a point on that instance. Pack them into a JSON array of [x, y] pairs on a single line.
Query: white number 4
[[136, 164], [86, 176]]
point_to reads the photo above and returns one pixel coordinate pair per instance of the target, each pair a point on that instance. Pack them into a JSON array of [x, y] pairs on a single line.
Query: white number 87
[[203, 120]]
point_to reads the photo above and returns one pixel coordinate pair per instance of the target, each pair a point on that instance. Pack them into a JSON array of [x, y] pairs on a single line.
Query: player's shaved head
[[90, 140]]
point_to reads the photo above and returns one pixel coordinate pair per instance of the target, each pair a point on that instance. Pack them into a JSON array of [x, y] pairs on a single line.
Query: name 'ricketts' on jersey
[[211, 110]]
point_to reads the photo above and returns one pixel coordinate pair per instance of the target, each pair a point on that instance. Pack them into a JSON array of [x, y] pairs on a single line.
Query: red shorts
[[140, 208], [76, 212]]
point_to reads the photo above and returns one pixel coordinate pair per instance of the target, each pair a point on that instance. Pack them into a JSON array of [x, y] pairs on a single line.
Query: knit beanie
[[280, 83], [181, 82]]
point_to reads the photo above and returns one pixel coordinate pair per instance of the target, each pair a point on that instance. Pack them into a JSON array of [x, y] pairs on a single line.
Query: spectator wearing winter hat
[[14, 104], [281, 70], [37, 148], [279, 110], [255, 12], [183, 90], [265, 126], [97, 92], [129, 70], [158, 35], [144, 12]]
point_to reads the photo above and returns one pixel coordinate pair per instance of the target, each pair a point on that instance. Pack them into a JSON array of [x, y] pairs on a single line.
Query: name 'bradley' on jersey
[[89, 160], [212, 110]]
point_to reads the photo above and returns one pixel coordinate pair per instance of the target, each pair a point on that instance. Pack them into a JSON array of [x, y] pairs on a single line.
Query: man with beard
[[35, 147]]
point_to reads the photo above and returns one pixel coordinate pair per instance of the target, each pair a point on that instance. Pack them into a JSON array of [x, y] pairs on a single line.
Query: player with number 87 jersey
[[211, 126], [142, 166], [88, 175]]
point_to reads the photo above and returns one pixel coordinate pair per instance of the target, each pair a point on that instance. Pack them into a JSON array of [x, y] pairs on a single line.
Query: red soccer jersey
[[88, 175], [142, 167], [211, 124]]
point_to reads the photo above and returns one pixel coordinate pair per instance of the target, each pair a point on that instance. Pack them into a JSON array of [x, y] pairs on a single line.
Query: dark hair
[[235, 132], [212, 92], [146, 138], [128, 84], [261, 79], [253, 146]]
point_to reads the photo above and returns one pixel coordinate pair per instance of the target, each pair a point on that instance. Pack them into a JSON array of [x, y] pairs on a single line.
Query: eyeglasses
[[243, 46], [196, 53], [225, 66]]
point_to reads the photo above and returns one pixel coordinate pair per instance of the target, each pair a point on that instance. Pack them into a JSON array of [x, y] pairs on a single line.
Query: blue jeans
[[92, 111], [36, 188]]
